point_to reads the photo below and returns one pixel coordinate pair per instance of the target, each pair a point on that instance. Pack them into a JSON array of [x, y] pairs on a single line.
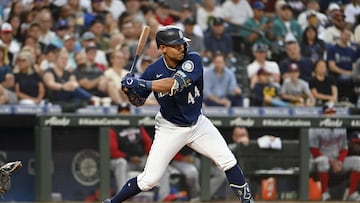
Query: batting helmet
[[171, 35]]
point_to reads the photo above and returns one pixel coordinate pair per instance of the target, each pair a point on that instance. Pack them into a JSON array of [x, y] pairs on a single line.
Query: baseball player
[[176, 78], [329, 150]]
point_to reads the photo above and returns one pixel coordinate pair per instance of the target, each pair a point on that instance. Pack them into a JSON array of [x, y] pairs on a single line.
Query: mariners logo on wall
[[85, 167], [188, 66]]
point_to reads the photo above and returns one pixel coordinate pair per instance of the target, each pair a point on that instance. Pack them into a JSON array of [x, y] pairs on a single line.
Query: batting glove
[[134, 83]]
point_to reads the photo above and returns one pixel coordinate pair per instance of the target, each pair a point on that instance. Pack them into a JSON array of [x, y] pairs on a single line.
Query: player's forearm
[[163, 85]]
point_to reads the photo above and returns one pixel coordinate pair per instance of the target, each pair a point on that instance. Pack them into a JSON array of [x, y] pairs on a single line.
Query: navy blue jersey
[[184, 107]]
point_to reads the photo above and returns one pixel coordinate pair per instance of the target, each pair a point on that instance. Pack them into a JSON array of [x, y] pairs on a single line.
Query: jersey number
[[191, 98]]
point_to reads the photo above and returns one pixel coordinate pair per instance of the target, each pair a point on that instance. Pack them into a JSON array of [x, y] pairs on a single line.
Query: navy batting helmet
[[171, 35]]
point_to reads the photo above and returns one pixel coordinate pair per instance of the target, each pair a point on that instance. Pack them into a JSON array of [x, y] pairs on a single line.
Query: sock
[[354, 181], [128, 190], [235, 176], [324, 180]]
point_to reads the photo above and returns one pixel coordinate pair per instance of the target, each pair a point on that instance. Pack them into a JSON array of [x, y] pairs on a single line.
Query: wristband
[[145, 84]]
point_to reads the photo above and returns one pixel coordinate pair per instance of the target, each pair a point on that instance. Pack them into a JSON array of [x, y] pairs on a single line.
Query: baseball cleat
[[243, 193], [10, 167], [107, 201]]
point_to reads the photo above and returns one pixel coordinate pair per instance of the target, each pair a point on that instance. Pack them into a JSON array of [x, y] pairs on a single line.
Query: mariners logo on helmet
[[170, 35]]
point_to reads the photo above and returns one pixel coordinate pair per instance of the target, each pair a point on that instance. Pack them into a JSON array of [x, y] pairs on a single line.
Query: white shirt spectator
[[351, 11], [270, 66], [331, 35], [202, 16], [237, 11], [302, 18], [116, 8]]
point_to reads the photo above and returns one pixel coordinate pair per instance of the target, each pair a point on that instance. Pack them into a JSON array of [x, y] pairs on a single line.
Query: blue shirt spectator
[[220, 85], [217, 40]]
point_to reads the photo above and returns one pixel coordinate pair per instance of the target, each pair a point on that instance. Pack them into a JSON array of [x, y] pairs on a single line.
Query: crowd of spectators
[[291, 52]]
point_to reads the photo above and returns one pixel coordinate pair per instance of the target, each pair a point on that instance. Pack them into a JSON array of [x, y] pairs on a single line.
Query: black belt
[[187, 124]]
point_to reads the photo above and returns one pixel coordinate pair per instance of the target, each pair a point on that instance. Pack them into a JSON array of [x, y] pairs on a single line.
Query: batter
[[176, 78]]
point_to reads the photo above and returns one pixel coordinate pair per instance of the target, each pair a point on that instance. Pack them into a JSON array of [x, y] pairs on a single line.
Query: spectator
[[220, 86], [341, 58], [17, 31], [259, 26], [312, 8], [265, 93], [89, 38], [295, 90], [46, 23], [29, 88], [217, 40], [352, 10], [322, 85], [115, 7], [96, 12], [197, 42], [61, 29], [97, 28], [185, 14], [7, 80], [207, 10], [329, 150], [162, 14], [117, 71], [71, 46], [92, 79], [62, 86], [12, 47], [50, 58], [311, 46], [331, 34], [259, 51], [237, 11], [293, 53], [127, 29], [285, 25]]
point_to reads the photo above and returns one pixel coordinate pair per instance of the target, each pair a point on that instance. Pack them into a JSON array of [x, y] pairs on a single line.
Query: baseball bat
[[140, 46]]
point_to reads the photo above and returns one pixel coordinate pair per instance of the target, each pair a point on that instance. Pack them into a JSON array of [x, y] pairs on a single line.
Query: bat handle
[[136, 57]]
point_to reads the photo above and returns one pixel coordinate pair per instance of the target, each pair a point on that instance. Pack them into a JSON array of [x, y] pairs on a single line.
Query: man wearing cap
[[293, 55], [258, 23], [217, 40], [312, 7], [61, 28], [12, 47], [285, 24], [296, 90], [197, 42], [208, 9], [265, 93], [260, 51], [88, 38], [331, 34]]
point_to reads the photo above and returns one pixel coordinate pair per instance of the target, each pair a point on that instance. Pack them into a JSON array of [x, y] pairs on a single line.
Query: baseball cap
[[293, 67], [6, 27], [87, 36], [263, 71], [290, 38], [61, 24], [68, 36], [260, 47], [328, 108], [333, 7], [189, 21], [355, 136], [258, 5], [49, 48], [218, 21], [310, 13], [164, 4]]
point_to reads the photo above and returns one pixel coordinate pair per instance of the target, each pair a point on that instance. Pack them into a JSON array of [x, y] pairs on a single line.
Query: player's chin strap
[[181, 81], [242, 192]]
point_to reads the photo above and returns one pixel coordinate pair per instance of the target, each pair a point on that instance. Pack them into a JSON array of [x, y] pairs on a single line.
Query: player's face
[[174, 52]]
